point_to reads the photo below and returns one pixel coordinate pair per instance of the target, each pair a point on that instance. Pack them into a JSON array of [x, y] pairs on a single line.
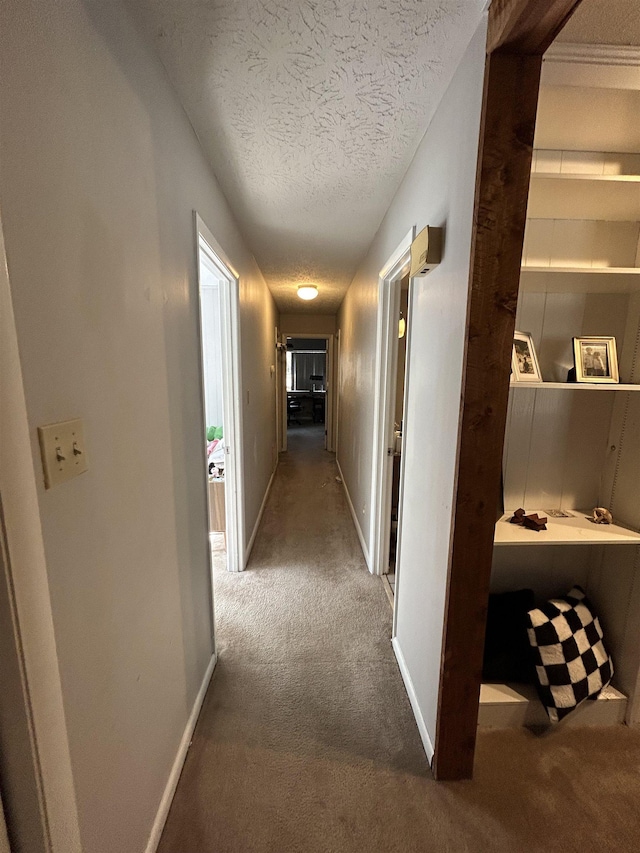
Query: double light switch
[[63, 451]]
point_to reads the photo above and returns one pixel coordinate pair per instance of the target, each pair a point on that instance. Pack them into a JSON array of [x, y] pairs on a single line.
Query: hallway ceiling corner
[[310, 112]]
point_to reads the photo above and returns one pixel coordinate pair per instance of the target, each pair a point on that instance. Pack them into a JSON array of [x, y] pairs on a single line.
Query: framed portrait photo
[[596, 360], [524, 361]]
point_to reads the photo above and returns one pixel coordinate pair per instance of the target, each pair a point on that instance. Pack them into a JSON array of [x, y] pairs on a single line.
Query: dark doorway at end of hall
[[306, 382]]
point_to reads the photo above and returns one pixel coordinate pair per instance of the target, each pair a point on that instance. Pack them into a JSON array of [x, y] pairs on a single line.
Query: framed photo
[[596, 359], [524, 362]]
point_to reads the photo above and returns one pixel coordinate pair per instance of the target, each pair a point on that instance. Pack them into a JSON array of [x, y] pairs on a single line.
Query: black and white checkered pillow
[[570, 658]]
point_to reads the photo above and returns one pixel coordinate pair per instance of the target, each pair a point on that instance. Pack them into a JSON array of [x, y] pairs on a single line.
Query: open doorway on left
[[212, 376], [219, 326]]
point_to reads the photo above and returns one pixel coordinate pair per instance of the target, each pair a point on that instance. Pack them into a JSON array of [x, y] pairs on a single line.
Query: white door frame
[[406, 425], [25, 602], [389, 287], [337, 380], [281, 356], [279, 367], [329, 419], [4, 839], [232, 417]]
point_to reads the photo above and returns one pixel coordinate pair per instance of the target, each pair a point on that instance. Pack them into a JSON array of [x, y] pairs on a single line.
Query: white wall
[[437, 190], [307, 324], [100, 174]]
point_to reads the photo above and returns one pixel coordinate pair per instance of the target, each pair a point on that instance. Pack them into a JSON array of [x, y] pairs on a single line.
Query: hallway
[[315, 142], [306, 741], [306, 710]]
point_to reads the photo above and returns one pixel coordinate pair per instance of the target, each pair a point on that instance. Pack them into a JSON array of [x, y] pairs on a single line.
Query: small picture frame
[[524, 361], [596, 359]]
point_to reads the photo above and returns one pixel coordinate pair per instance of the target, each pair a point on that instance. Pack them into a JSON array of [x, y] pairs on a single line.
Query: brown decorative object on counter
[[601, 515], [535, 522], [531, 522]]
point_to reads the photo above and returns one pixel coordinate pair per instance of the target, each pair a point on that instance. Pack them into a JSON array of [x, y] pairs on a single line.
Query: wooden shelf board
[[579, 176], [581, 270], [547, 279], [515, 705], [576, 386], [578, 530]]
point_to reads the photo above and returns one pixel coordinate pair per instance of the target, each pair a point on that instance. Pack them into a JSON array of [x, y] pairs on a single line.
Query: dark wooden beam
[[527, 26], [519, 32], [510, 101]]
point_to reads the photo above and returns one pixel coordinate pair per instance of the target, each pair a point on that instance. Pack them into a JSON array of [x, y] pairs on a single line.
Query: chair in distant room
[[317, 410], [317, 403], [294, 408]]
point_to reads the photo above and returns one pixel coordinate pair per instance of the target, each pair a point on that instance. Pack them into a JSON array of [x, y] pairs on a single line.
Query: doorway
[[390, 422], [307, 387], [220, 348], [390, 566]]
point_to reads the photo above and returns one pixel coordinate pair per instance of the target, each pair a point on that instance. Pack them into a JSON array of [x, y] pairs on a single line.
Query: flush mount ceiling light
[[307, 291]]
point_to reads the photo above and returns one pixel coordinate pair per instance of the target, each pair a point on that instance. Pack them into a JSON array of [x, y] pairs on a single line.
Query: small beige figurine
[[602, 516]]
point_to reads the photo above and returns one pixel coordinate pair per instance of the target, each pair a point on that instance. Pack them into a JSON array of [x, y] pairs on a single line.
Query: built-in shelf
[[515, 705], [576, 386], [578, 176], [555, 279], [580, 274], [577, 530], [582, 270], [572, 165]]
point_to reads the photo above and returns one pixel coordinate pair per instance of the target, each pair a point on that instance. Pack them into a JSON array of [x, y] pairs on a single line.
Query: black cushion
[[571, 662], [507, 652]]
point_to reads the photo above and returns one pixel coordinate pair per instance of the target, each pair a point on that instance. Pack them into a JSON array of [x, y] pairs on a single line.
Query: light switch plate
[[63, 451]]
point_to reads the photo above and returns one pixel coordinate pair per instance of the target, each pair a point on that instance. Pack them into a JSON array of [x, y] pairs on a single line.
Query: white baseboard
[[356, 520], [176, 770], [256, 526], [413, 699]]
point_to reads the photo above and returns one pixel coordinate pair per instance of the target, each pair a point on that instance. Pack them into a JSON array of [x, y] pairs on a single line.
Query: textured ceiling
[[310, 112], [604, 22]]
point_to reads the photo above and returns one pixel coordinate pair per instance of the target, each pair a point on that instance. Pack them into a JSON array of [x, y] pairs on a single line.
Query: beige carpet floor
[[306, 741]]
